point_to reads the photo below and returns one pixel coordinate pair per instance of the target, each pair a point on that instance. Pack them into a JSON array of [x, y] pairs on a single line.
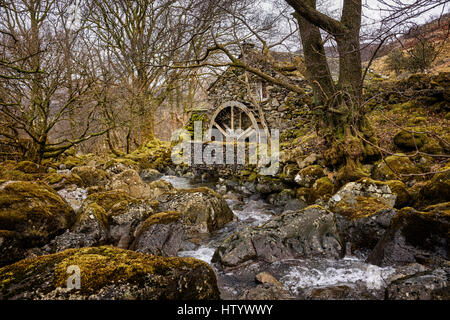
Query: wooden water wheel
[[234, 121]]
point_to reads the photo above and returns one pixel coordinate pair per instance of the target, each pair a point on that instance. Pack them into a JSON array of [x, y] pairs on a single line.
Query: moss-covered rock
[[28, 167], [33, 210], [399, 189], [396, 167], [91, 176], [307, 176], [406, 140], [432, 147], [60, 181], [108, 273], [321, 188], [437, 189]]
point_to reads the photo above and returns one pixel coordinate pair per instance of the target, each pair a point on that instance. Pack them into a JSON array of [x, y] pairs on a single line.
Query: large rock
[[363, 212], [34, 211], [90, 229], [428, 285], [203, 209], [108, 273], [161, 234], [367, 188], [307, 233], [414, 236]]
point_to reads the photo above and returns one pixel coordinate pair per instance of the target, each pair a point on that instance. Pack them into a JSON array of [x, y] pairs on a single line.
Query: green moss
[[99, 213], [359, 207], [108, 199], [409, 141], [322, 187], [27, 167], [437, 189], [399, 189], [55, 178], [396, 167], [432, 147]]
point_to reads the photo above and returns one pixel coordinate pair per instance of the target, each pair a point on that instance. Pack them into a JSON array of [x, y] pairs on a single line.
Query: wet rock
[[331, 293], [161, 234], [307, 176], [159, 187], [300, 234], [33, 210], [266, 291], [204, 210], [91, 176], [428, 285], [414, 236], [108, 273], [265, 277]]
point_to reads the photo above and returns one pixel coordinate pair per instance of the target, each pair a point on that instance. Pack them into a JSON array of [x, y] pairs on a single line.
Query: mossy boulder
[[406, 140], [396, 167], [10, 170], [321, 188], [161, 234], [268, 184], [204, 209], [365, 188], [414, 236], [432, 147], [400, 190], [306, 233], [34, 210], [91, 176], [109, 273], [130, 182], [116, 166], [307, 176], [29, 167], [60, 181], [123, 214], [437, 189]]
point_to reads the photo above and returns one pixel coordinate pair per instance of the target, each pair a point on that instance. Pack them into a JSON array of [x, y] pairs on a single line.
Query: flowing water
[[298, 277]]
